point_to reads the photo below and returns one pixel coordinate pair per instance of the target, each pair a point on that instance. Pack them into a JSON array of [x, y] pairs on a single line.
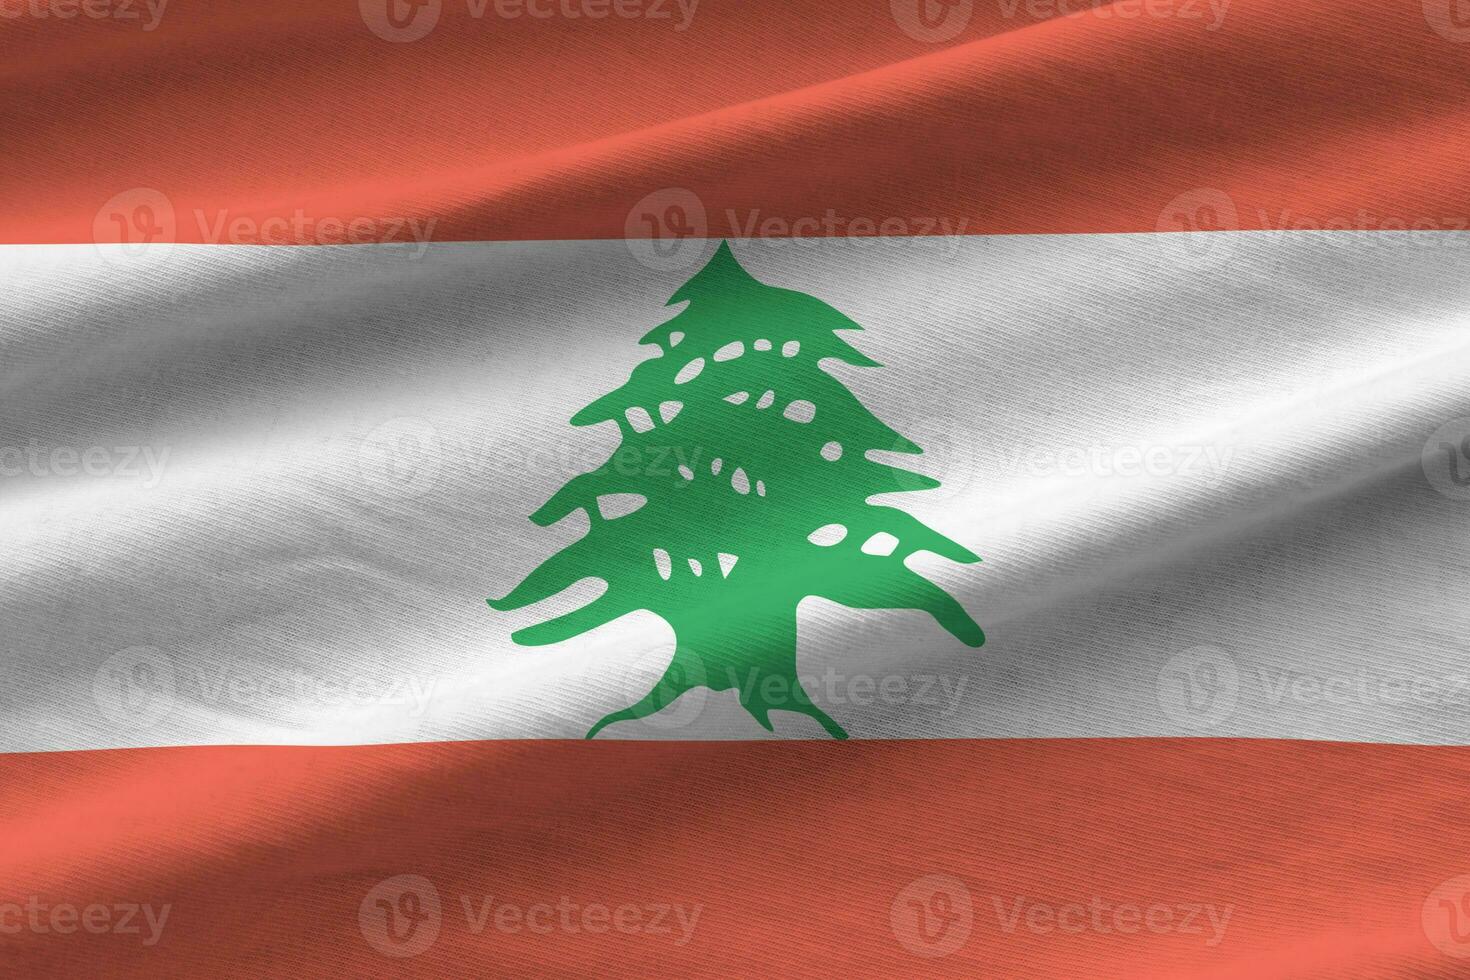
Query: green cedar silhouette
[[736, 479]]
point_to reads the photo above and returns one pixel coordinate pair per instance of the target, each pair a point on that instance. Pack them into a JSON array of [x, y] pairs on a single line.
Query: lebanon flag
[[735, 488]]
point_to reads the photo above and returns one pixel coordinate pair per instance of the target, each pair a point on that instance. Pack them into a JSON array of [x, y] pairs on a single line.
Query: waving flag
[[696, 487]]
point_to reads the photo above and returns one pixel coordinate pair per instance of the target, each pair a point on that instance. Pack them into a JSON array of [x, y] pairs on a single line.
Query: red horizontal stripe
[[1318, 858], [292, 122]]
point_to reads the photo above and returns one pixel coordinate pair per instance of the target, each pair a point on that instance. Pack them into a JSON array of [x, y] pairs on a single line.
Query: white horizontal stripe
[[1198, 480]]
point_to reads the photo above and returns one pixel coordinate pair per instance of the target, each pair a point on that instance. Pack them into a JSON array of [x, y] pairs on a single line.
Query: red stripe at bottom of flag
[[1010, 858]]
